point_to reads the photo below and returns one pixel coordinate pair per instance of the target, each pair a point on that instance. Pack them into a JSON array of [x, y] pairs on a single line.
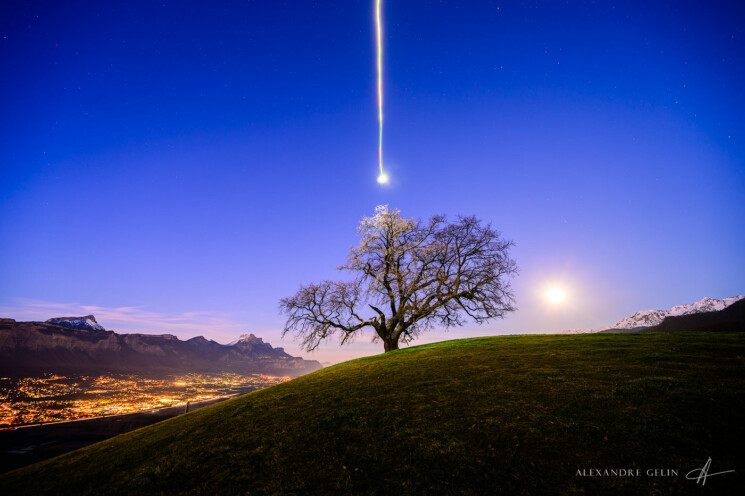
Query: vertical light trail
[[382, 177]]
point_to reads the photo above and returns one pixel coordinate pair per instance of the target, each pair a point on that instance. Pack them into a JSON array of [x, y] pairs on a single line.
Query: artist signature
[[700, 474]]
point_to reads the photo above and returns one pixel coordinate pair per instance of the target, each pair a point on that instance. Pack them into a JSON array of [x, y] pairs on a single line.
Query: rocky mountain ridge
[[649, 318], [644, 319], [66, 344]]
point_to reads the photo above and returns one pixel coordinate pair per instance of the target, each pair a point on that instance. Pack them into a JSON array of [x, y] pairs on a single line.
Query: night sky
[[181, 166]]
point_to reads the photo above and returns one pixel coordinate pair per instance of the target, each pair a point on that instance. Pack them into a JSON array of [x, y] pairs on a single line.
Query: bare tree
[[410, 276]]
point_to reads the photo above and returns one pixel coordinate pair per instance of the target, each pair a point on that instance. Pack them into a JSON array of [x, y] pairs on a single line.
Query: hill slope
[[512, 414]]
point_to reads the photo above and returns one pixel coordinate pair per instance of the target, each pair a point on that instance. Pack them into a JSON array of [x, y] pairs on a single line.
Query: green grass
[[512, 414]]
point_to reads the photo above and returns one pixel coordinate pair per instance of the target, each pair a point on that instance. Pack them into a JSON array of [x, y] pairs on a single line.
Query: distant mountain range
[[703, 313], [80, 344], [730, 318]]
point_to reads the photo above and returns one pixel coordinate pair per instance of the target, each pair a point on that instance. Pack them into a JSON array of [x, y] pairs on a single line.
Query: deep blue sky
[[183, 165]]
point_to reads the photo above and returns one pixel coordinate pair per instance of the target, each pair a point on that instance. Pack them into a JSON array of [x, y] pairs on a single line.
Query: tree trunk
[[390, 344]]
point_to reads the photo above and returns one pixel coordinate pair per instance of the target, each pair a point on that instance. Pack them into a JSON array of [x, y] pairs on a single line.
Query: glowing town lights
[[38, 400]]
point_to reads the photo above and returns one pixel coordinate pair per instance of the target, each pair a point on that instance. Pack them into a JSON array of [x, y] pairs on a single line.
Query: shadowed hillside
[[513, 414]]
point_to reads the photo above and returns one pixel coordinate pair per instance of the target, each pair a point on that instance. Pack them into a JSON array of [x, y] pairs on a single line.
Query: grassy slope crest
[[514, 414]]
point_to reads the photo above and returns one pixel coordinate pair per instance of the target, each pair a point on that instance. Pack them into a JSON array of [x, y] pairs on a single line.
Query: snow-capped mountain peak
[[246, 338], [650, 318], [87, 322]]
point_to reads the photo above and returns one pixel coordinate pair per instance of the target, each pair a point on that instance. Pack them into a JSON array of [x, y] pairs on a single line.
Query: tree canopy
[[409, 276]]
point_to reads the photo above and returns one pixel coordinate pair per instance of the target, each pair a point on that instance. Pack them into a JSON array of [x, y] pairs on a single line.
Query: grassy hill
[[512, 414]]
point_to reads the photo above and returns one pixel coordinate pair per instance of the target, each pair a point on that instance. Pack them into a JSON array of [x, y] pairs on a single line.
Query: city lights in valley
[[57, 398]]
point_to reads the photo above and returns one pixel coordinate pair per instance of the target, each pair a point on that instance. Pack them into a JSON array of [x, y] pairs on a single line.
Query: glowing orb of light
[[555, 295], [383, 178]]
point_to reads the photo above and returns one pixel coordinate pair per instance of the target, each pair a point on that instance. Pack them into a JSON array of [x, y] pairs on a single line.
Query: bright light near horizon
[[383, 178], [555, 295]]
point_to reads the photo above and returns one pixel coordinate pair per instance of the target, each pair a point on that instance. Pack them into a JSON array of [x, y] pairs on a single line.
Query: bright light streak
[[382, 178]]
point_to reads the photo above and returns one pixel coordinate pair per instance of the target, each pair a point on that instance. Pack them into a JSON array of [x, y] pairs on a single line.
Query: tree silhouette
[[410, 275]]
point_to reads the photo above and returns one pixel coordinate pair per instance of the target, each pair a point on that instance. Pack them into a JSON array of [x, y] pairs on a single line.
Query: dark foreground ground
[[505, 415], [26, 445]]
